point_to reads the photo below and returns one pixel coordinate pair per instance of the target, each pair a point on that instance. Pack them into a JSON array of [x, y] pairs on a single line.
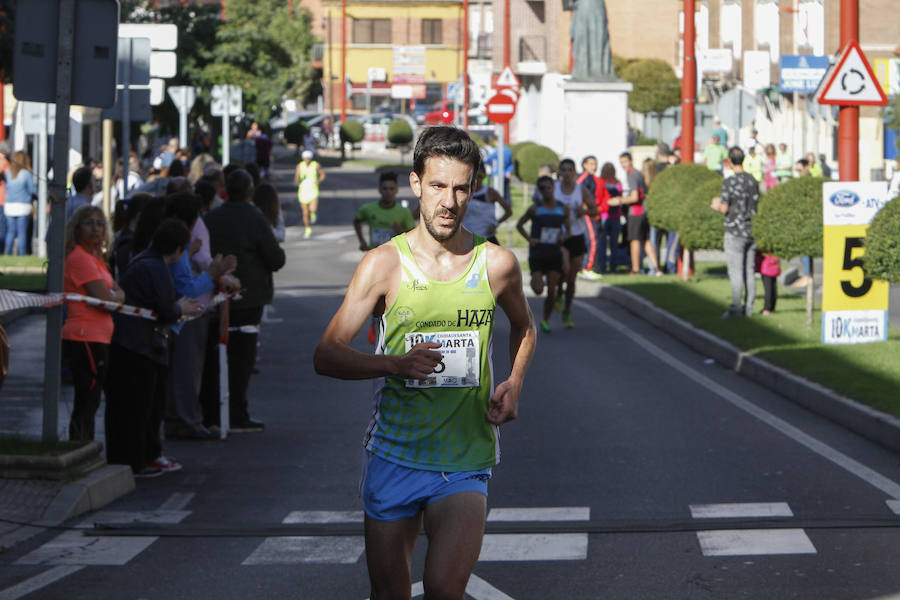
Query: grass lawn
[[869, 373], [25, 282], [21, 261]]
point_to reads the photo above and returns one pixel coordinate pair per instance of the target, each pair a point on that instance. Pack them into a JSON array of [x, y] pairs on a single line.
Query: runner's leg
[[571, 276], [552, 283], [537, 282], [389, 549], [455, 527]]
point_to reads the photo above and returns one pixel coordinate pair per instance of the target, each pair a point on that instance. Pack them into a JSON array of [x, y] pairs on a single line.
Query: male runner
[[385, 217], [433, 437], [308, 175], [580, 202], [549, 221]]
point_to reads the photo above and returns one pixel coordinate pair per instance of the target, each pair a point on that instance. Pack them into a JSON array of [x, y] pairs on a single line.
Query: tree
[[892, 112], [656, 87], [699, 226], [882, 242], [670, 190], [789, 223], [400, 134]]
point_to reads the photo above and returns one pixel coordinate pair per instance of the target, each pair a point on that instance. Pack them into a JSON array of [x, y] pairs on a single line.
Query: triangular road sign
[[852, 82], [507, 78]]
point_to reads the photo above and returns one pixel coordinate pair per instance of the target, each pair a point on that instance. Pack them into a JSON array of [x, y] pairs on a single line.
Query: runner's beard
[[438, 235]]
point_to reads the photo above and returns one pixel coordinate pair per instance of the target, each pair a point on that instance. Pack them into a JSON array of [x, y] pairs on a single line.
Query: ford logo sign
[[844, 199]]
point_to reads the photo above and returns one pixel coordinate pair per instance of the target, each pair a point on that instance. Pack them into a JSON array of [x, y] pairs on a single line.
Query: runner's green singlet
[[439, 424]]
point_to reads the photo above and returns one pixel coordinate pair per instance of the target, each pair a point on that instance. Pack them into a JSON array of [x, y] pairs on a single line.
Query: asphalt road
[[636, 470]]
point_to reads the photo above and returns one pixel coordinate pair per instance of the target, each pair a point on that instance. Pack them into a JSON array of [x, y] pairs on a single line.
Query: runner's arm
[[321, 173], [504, 269], [335, 357], [357, 226], [520, 226], [297, 174]]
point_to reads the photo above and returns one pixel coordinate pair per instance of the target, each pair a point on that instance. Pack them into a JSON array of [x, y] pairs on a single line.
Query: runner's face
[[567, 173], [388, 191], [443, 191], [546, 190]]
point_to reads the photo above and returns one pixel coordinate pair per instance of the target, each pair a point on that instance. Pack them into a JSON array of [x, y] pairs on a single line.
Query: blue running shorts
[[392, 492]]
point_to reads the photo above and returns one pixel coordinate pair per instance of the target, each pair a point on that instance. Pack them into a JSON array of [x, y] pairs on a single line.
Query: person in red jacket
[[597, 189]]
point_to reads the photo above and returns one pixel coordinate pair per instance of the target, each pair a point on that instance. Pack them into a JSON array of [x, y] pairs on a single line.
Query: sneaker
[[313, 217], [166, 465], [589, 275], [148, 472], [307, 232], [567, 320], [247, 426], [545, 326]]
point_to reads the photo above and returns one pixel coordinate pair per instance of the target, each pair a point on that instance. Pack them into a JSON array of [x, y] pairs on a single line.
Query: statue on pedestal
[[590, 41]]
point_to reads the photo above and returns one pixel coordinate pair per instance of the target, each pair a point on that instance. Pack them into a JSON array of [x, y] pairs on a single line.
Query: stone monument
[[595, 101]]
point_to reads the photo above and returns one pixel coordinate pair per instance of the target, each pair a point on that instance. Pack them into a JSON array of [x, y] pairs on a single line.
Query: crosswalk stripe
[[894, 505], [324, 516], [527, 547], [563, 513], [741, 510], [38, 582], [755, 542], [297, 550]]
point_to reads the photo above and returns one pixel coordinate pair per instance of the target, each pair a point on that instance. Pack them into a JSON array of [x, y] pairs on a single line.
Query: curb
[[92, 492], [863, 420]]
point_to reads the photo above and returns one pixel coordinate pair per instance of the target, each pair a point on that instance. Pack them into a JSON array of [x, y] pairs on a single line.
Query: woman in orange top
[[87, 331]]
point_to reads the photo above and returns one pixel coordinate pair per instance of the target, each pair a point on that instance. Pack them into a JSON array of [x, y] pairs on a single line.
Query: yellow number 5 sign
[[854, 308]]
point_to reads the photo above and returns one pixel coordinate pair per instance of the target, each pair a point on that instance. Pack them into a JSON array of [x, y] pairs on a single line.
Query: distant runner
[[309, 175], [580, 202], [384, 217]]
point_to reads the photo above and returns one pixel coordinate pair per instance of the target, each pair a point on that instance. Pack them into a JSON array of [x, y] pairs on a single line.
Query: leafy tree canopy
[[670, 190], [789, 220], [656, 87], [882, 257]]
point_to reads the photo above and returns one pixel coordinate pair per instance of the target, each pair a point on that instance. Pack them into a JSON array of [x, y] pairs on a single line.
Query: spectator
[[753, 164], [19, 190], [88, 330], [801, 168], [238, 228], [265, 197], [4, 165], [199, 165], [715, 155], [124, 241], [207, 194], [589, 180], [740, 195], [492, 160], [770, 167], [139, 355], [823, 163], [815, 169], [638, 227], [611, 224], [720, 132], [83, 184], [783, 163]]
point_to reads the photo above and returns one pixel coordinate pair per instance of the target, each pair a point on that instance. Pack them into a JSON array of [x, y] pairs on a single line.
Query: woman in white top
[[579, 202]]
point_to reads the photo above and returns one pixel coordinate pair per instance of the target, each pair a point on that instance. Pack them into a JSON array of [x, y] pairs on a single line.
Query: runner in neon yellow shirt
[[308, 175]]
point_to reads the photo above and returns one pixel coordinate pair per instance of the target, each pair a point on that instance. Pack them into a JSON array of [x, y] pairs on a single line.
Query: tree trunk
[[685, 264], [810, 291]]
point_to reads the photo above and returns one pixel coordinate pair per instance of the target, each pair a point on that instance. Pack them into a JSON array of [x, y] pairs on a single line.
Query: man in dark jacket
[[239, 228]]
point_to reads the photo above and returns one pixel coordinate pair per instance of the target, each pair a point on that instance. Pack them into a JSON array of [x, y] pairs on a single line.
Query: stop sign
[[501, 108]]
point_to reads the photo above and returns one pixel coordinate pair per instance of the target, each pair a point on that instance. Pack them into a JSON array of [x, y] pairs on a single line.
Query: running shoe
[[567, 320], [307, 232], [313, 217], [589, 275], [166, 465], [148, 472], [545, 326]]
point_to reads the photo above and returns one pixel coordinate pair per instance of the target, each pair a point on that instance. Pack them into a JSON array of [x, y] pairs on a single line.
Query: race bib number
[[380, 236], [550, 235], [460, 364]]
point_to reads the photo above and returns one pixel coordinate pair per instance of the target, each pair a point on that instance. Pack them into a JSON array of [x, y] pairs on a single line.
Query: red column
[[465, 64], [848, 119], [506, 38], [343, 61], [688, 85]]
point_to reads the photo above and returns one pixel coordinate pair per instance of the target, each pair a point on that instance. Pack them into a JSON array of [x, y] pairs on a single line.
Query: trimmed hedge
[[530, 159], [399, 133], [882, 256], [293, 133], [352, 131], [699, 226], [671, 189], [788, 222]]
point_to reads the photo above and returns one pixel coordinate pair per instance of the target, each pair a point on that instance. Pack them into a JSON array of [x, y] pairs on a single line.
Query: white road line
[[335, 235], [305, 550], [324, 516], [177, 501], [526, 547], [563, 513], [742, 510], [37, 582], [894, 505], [756, 542], [873, 478], [480, 589]]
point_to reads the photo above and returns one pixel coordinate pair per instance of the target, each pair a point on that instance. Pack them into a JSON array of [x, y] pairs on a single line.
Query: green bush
[[476, 138], [518, 146], [656, 86], [399, 133], [352, 132], [293, 133], [699, 226], [530, 159], [670, 190], [882, 257], [788, 222]]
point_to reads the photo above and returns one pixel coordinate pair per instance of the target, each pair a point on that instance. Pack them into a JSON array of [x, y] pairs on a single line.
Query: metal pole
[[226, 128], [56, 250], [126, 110], [848, 118], [43, 151], [465, 68], [183, 110], [506, 37], [500, 175], [108, 166], [343, 62]]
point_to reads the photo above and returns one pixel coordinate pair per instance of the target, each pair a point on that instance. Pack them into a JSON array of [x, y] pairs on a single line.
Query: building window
[[432, 31], [371, 31]]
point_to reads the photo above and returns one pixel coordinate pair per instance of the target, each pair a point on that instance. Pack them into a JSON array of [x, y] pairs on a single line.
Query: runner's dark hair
[[387, 176], [567, 160], [544, 178], [444, 140]]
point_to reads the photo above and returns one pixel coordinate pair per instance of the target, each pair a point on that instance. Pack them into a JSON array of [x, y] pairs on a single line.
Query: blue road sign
[[802, 72]]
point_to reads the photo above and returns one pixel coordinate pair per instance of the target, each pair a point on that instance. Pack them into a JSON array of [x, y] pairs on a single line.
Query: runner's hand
[[420, 361], [504, 403]]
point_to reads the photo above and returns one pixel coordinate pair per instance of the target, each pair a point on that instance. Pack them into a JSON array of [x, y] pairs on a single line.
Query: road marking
[[178, 501], [743, 510], [870, 476], [480, 589], [562, 513], [894, 505], [755, 542], [509, 547], [335, 235], [38, 582], [324, 516], [297, 550]]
